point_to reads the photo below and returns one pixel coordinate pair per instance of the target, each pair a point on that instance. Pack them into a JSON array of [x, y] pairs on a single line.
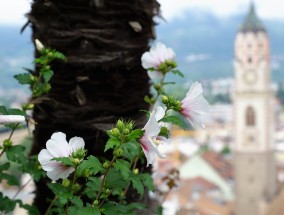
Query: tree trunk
[[102, 80]]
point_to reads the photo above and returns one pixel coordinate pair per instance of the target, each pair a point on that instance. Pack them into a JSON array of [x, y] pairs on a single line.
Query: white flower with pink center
[[7, 119], [194, 106], [58, 147], [151, 139], [155, 57]]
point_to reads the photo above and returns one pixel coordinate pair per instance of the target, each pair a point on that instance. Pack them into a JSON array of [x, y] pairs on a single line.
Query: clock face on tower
[[250, 77]]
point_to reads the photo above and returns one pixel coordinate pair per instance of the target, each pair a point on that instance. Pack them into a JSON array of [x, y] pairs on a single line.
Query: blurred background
[[202, 169]]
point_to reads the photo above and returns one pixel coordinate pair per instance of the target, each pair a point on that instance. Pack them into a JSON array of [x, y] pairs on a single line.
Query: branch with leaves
[[85, 184]]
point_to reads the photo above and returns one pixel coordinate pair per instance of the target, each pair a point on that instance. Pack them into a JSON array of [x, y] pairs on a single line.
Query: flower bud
[[118, 152], [130, 125], [50, 55], [65, 182], [76, 161], [7, 144], [165, 99], [136, 171], [76, 187], [39, 45], [96, 202], [80, 153], [115, 132], [86, 173], [120, 124], [126, 131], [107, 191], [106, 164], [157, 86]]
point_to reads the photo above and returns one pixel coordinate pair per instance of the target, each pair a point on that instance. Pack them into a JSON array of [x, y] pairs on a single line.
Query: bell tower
[[253, 118]]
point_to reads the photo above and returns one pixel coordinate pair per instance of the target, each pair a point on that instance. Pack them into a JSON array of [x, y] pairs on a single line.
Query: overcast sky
[[12, 11]]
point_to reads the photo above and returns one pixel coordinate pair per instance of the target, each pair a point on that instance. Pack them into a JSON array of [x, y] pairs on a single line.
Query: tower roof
[[252, 22]]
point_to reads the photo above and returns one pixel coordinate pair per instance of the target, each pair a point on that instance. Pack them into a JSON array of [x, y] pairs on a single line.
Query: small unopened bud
[[130, 125], [126, 131], [165, 99], [80, 153], [65, 182], [118, 152], [39, 45], [157, 86], [136, 171], [76, 187], [86, 173], [120, 124], [106, 164], [107, 191], [115, 132], [50, 55], [96, 203], [76, 161], [7, 144]]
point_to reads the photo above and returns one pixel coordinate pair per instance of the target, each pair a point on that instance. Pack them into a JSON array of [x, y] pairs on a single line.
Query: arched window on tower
[[250, 116]]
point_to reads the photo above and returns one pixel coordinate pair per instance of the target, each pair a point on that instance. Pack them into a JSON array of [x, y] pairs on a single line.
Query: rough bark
[[102, 80]]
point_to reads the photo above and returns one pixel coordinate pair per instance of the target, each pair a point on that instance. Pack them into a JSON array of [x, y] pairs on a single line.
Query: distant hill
[[204, 44], [202, 41]]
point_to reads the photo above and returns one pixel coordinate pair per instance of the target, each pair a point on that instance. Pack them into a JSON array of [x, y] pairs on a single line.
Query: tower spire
[[252, 22]]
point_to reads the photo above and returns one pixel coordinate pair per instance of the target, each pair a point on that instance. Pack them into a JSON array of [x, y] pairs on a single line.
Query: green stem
[[50, 205], [134, 163], [22, 187], [104, 178], [9, 138]]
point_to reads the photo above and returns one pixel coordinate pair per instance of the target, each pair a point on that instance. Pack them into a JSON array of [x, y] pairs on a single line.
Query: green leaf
[[32, 167], [67, 161], [16, 154], [63, 193], [148, 100], [177, 72], [123, 166], [60, 56], [24, 78], [135, 134], [92, 186], [114, 179], [111, 143], [131, 149], [92, 164], [4, 166], [164, 132], [47, 75], [6, 204], [147, 181], [137, 183], [174, 120], [15, 111], [12, 180], [3, 110], [77, 201], [32, 210]]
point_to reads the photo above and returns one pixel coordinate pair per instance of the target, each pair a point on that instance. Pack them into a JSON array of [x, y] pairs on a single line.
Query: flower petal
[[58, 146], [159, 112], [50, 165], [61, 172], [152, 127], [76, 143], [6, 119], [149, 150], [194, 105], [154, 75], [44, 156]]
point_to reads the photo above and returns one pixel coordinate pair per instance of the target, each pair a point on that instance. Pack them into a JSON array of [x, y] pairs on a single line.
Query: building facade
[[253, 118]]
